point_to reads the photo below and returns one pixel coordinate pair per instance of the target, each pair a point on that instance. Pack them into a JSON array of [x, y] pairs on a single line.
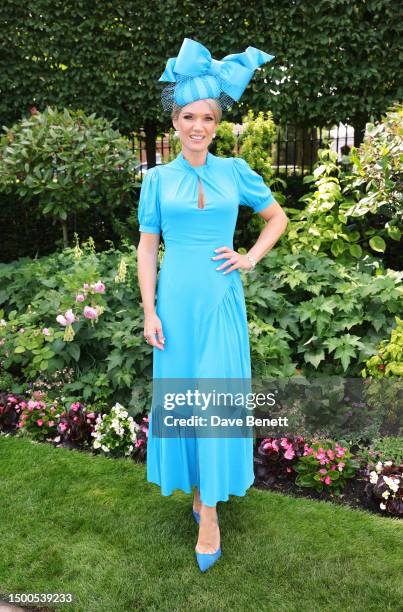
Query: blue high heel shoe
[[206, 560], [196, 516]]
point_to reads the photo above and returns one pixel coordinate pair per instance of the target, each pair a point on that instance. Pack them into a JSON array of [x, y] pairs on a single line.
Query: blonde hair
[[213, 104]]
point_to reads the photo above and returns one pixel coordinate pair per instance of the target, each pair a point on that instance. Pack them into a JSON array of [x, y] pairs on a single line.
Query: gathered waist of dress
[[175, 247]]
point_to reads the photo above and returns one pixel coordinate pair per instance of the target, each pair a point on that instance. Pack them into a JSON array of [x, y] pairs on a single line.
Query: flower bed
[[317, 468]]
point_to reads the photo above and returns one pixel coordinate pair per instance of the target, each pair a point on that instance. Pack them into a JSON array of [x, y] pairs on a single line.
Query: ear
[[175, 124]]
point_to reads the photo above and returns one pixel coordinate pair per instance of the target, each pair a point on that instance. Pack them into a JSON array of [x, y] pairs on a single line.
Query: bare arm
[[277, 222], [147, 259]]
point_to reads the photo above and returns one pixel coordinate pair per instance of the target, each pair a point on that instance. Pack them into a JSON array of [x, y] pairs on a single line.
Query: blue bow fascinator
[[195, 75]]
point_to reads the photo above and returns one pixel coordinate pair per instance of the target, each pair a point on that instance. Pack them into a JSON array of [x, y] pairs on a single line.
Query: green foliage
[[335, 315], [225, 139], [385, 388], [174, 144], [65, 162], [306, 313], [109, 359], [337, 219], [107, 58], [256, 142], [378, 169], [388, 362]]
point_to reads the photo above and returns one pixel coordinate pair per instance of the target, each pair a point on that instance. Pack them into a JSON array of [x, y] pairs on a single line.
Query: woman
[[198, 328]]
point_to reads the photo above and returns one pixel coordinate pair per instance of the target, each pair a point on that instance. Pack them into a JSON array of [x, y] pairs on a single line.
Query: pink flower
[[23, 404], [46, 331], [289, 453], [139, 443], [75, 406], [12, 399], [327, 480], [323, 471], [51, 423], [63, 427], [330, 454], [284, 443], [40, 422], [76, 419], [90, 313], [275, 445], [69, 316], [333, 467], [80, 297], [99, 287], [266, 446], [288, 469], [91, 415], [341, 466], [86, 286], [60, 319], [20, 424]]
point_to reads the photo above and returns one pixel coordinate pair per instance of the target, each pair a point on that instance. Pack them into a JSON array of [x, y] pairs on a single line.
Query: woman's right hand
[[153, 331]]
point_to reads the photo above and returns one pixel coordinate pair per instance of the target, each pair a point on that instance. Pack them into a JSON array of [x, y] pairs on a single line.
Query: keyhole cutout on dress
[[200, 199]]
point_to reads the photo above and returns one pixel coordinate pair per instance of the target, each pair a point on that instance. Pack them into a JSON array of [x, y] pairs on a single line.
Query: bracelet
[[252, 261]]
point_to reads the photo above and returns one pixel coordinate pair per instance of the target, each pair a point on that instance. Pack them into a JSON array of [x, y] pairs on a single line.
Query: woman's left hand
[[236, 259]]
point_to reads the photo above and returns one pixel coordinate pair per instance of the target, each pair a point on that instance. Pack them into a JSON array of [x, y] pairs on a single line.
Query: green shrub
[[61, 162]]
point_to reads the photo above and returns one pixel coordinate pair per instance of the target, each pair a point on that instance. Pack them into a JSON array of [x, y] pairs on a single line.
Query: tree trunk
[[151, 135], [359, 124], [65, 238]]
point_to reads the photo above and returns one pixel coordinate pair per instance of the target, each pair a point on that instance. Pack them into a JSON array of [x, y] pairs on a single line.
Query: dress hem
[[188, 491]]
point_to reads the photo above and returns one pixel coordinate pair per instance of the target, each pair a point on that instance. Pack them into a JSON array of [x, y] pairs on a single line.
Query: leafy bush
[[386, 484], [307, 315], [385, 389], [340, 218], [256, 141], [109, 359], [225, 140], [389, 360], [65, 161], [378, 169], [330, 316], [325, 466]]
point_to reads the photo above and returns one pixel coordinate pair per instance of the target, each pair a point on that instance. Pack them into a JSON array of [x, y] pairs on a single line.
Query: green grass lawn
[[93, 526]]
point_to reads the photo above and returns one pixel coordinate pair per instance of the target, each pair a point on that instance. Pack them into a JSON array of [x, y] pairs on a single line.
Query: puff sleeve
[[149, 215], [253, 191]]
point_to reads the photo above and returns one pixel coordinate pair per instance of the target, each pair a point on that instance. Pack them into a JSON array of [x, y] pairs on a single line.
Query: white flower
[[379, 466], [386, 494], [105, 448], [388, 463], [96, 444], [382, 506], [394, 486], [373, 477]]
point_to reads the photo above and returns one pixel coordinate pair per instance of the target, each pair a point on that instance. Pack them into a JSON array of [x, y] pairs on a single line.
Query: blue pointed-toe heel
[[196, 516], [206, 560]]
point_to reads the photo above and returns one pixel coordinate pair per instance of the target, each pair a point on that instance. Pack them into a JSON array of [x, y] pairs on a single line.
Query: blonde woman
[[198, 326]]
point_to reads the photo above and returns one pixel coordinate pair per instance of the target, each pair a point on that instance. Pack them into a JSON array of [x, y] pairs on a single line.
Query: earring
[[214, 135]]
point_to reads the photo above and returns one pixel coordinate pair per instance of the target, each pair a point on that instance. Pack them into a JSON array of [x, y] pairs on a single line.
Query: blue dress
[[202, 312]]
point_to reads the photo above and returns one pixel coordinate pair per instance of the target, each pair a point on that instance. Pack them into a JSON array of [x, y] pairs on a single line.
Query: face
[[196, 125]]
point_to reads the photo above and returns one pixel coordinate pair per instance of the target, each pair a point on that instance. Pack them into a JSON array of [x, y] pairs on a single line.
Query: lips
[[196, 138]]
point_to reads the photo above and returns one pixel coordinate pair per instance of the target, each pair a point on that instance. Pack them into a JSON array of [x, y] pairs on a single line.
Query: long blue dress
[[202, 312]]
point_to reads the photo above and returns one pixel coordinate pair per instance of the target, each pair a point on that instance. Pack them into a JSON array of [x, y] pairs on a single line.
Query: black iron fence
[[293, 152]]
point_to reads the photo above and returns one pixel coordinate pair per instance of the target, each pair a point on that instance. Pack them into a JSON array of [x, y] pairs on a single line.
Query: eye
[[187, 116]]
